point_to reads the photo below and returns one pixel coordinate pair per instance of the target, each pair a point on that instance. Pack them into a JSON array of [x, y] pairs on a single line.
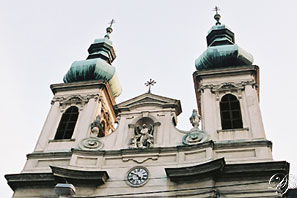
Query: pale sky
[[158, 39]]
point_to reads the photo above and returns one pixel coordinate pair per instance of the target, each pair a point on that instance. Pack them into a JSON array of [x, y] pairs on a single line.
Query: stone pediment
[[149, 99]]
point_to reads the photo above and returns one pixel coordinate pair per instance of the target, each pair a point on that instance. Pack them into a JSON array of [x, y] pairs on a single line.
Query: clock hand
[[137, 174]]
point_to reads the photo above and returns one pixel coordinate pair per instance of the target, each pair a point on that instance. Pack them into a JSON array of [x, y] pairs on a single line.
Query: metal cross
[[216, 9], [111, 22], [149, 84]]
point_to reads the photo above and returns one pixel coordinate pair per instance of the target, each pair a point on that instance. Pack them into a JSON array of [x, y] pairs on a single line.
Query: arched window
[[67, 124], [230, 112]]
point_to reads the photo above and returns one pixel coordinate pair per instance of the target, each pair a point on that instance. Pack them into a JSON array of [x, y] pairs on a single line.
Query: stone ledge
[[196, 172], [257, 169], [242, 143], [79, 176], [229, 70], [58, 175], [99, 84], [232, 130], [37, 155], [77, 85], [218, 169], [178, 148], [62, 140], [30, 179]]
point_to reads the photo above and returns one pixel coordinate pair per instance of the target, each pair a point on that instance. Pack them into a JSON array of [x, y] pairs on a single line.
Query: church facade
[[92, 147]]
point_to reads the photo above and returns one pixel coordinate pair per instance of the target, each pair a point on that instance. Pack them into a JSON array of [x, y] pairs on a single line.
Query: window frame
[[229, 107], [67, 124]]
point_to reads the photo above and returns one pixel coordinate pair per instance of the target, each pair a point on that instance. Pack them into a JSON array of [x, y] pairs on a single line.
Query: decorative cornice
[[209, 144], [219, 169], [79, 176], [150, 100], [227, 86], [78, 85], [77, 99], [30, 179], [253, 69], [83, 85], [196, 172], [256, 169]]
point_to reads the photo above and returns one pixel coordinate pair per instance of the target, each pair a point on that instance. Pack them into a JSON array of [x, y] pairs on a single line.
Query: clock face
[[137, 176]]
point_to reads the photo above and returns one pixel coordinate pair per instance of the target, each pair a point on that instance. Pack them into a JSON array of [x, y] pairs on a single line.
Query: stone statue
[[143, 137], [195, 135], [195, 119], [96, 126]]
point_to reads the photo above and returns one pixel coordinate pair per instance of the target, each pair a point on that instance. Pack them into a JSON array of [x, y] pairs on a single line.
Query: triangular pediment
[[149, 99]]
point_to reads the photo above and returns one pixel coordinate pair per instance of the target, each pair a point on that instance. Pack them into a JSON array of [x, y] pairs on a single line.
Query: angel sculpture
[[143, 137]]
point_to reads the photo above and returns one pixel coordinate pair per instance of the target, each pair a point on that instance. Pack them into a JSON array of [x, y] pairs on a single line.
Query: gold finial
[[149, 84], [109, 29], [217, 16]]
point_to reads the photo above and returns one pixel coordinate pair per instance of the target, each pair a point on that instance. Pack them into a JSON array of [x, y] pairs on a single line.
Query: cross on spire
[[150, 83], [216, 9], [109, 29], [217, 16], [111, 22]]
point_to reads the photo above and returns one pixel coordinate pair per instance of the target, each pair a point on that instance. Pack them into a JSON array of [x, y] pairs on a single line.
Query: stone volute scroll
[[195, 135], [143, 134]]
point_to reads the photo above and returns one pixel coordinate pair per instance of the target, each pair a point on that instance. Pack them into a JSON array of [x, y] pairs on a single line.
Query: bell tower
[[82, 106], [227, 88]]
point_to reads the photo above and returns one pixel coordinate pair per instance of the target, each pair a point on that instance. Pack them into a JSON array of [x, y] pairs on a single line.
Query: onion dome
[[97, 66], [221, 49]]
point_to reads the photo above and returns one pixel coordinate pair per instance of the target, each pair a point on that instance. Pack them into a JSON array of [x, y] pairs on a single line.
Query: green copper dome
[[222, 50], [97, 66]]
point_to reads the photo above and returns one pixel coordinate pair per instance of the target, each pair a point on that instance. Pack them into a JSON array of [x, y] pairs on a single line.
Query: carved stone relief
[[226, 87], [90, 143], [143, 134], [77, 100], [195, 136]]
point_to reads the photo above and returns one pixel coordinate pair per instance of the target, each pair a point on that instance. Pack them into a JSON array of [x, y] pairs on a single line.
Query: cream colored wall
[[250, 110], [116, 158], [117, 164], [165, 135], [87, 113]]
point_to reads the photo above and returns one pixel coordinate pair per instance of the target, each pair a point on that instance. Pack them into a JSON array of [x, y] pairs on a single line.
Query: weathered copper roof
[[97, 66], [222, 50]]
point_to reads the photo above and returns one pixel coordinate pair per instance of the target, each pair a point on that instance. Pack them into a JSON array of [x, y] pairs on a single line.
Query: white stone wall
[[246, 93]]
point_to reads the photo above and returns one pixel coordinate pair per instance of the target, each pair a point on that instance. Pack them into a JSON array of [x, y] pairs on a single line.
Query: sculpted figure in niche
[[143, 137]]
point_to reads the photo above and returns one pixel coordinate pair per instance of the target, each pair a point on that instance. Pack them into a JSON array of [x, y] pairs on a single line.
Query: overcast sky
[[157, 39]]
